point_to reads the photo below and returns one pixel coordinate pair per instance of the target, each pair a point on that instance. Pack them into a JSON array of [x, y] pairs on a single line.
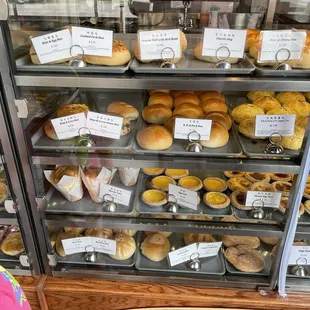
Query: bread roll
[[50, 131], [244, 111], [186, 98], [161, 98], [156, 114], [281, 110], [164, 233], [205, 95], [153, 91], [125, 247], [219, 136], [293, 142], [99, 233], [125, 232], [231, 240], [13, 245], [269, 240], [155, 138], [254, 95], [60, 171], [63, 236], [175, 93], [220, 117], [78, 230], [190, 238], [285, 97], [247, 128], [213, 104], [123, 109], [188, 110], [35, 59], [301, 108], [120, 56], [70, 109], [170, 123], [183, 41], [155, 247], [267, 103]]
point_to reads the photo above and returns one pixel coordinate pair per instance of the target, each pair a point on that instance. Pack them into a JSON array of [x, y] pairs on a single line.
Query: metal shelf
[[8, 219]]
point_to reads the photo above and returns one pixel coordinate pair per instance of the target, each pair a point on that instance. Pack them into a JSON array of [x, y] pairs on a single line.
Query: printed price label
[[92, 41], [75, 245], [158, 44], [179, 5], [270, 199], [284, 45], [225, 42], [184, 126], [121, 196], [182, 255], [266, 125], [206, 249], [69, 126], [53, 46], [300, 255], [104, 125], [185, 197], [102, 245]]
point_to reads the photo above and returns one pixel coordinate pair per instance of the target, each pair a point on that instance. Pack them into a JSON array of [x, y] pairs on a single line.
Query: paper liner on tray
[[70, 187], [129, 176], [93, 185]]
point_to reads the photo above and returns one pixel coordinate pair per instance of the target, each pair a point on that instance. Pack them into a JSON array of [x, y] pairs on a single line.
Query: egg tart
[[307, 191], [191, 182], [162, 182], [213, 184], [235, 183], [307, 206], [283, 205], [230, 174], [262, 187], [216, 200], [280, 177], [176, 173], [238, 198], [153, 171], [257, 177], [283, 187], [154, 197]]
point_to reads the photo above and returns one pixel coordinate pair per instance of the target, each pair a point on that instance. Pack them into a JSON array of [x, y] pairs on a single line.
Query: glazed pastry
[[232, 240], [267, 103], [162, 182], [155, 247], [254, 95], [283, 187], [216, 200], [280, 177], [285, 97], [125, 247], [190, 238], [154, 197], [230, 174], [213, 184], [262, 186], [247, 128], [257, 176], [235, 183], [176, 174], [190, 182], [153, 171], [245, 111], [293, 142], [238, 198]]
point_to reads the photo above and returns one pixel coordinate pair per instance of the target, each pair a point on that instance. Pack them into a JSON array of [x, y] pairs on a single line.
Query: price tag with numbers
[[281, 45], [184, 197], [182, 255], [300, 255], [263, 199], [120, 196], [206, 249], [92, 41], [53, 46], [159, 44], [266, 125], [223, 42], [184, 126]]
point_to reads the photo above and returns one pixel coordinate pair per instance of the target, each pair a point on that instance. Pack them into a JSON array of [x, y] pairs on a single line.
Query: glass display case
[[162, 162]]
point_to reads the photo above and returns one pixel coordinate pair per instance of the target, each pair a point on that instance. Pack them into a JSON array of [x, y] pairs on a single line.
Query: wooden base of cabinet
[[29, 285]]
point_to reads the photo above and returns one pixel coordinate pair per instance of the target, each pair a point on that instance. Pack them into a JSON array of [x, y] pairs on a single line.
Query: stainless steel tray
[[304, 219], [57, 203], [253, 147], [272, 216], [263, 249], [202, 209], [209, 265], [8, 258]]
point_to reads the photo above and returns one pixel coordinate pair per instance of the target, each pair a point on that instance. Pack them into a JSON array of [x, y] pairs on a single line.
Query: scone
[[232, 240], [245, 111], [267, 103], [254, 95], [285, 97], [247, 128], [293, 142]]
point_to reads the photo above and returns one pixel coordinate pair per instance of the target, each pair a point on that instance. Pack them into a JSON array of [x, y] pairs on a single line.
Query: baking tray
[[202, 209], [57, 203], [304, 219], [24, 64], [100, 101], [255, 147], [210, 265], [263, 249], [8, 258], [274, 216]]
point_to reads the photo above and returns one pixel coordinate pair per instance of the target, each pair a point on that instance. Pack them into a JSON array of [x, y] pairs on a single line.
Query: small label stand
[[193, 145], [168, 63], [90, 255], [84, 139], [257, 212], [194, 263], [282, 65], [274, 147], [77, 60], [222, 63], [108, 203], [299, 269], [171, 206]]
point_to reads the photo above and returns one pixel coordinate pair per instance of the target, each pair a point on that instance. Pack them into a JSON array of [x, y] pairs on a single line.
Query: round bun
[[126, 127], [161, 98], [92, 172], [123, 109], [293, 142], [99, 233], [63, 236], [247, 128], [125, 232], [13, 244], [155, 138], [186, 98], [269, 240], [267, 103], [175, 93], [120, 56], [244, 111], [190, 238], [69, 109], [254, 95], [164, 233], [170, 123], [301, 108], [188, 110], [220, 117], [281, 110], [50, 131], [153, 91], [231, 240], [213, 104], [205, 95], [285, 97], [219, 137], [35, 59], [59, 172], [156, 114], [183, 41], [125, 247], [302, 122], [155, 247], [77, 230]]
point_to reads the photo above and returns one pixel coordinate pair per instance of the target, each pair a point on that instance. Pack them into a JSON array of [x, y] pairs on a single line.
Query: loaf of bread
[[123, 109]]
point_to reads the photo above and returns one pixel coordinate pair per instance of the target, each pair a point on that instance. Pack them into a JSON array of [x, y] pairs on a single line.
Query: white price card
[[267, 125], [120, 196], [102, 245], [300, 255], [184, 126], [90, 41], [184, 197], [75, 245], [206, 249], [69, 126], [182, 255], [104, 125], [263, 199], [281, 45], [159, 44], [53, 46], [179, 5], [223, 42]]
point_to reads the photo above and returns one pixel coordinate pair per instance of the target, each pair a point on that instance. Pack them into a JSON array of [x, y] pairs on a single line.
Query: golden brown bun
[[153, 91], [183, 41], [271, 241], [92, 172], [189, 110], [190, 238], [307, 96], [35, 59], [281, 110], [244, 111], [213, 104], [50, 131], [170, 123], [301, 108], [125, 247], [217, 117], [254, 95], [125, 232], [267, 103], [211, 95], [302, 122], [70, 109], [155, 247], [99, 233], [156, 114], [231, 240], [304, 62], [77, 230], [186, 98], [13, 244], [219, 136], [161, 98], [253, 52], [126, 127], [138, 55], [123, 109], [155, 138], [63, 236], [247, 128], [59, 172], [164, 233], [294, 142], [175, 93], [251, 38], [285, 97]]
